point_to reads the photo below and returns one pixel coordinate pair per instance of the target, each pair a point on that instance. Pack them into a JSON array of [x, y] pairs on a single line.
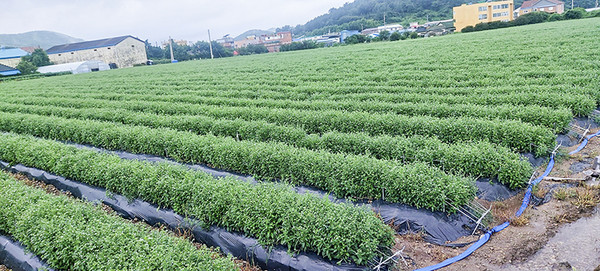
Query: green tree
[[468, 29], [354, 39], [413, 35], [384, 35], [303, 45], [201, 50], [38, 58], [531, 18], [395, 36], [576, 13], [555, 17], [253, 49], [155, 52], [26, 67]]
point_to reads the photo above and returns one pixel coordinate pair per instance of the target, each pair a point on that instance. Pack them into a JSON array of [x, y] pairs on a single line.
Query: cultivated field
[[412, 122]]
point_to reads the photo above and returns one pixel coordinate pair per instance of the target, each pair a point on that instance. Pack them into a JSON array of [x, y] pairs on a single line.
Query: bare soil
[[562, 234]]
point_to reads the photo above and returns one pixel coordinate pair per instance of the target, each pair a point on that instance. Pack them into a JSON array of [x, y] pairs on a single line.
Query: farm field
[[412, 122]]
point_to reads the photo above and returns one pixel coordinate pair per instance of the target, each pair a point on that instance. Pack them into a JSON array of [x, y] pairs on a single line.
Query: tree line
[[534, 18]]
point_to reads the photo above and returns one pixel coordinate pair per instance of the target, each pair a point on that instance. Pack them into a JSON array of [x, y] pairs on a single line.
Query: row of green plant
[[547, 81], [580, 100], [354, 176], [556, 119], [476, 159], [273, 213], [72, 235], [579, 104], [513, 134]]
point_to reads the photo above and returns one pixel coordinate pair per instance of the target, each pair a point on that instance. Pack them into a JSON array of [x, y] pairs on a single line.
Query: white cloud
[[156, 20]]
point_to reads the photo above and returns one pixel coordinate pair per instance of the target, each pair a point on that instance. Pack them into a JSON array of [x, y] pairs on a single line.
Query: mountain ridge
[[42, 38]]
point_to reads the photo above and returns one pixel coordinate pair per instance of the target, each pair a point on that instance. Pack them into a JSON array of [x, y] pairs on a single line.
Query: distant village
[[127, 51]]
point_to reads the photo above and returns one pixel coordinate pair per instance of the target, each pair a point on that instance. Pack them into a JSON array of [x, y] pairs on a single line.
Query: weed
[[520, 221], [586, 198], [564, 193]]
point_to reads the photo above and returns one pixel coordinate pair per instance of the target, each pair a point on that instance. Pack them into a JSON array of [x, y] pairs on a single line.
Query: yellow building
[[473, 14]]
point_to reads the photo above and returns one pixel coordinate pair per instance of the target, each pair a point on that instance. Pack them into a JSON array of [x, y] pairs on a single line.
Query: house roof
[[4, 68], [12, 53], [87, 45], [29, 49], [532, 3]]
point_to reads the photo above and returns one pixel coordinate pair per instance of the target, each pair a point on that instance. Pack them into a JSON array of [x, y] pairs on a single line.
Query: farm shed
[[11, 57], [76, 67], [124, 51], [6, 70]]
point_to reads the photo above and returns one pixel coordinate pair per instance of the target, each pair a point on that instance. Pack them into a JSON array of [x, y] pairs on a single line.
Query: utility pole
[[171, 48], [384, 18], [596, 3], [571, 4], [210, 45]]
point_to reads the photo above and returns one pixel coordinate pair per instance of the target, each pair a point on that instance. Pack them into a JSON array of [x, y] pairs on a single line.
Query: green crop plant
[[72, 235], [514, 134], [555, 118], [270, 212], [470, 158], [353, 176]]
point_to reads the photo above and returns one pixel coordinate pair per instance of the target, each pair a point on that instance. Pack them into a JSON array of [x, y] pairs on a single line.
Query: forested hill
[[369, 13], [362, 14]]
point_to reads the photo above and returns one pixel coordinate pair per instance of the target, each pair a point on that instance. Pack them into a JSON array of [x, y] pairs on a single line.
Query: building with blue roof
[[6, 70], [11, 57]]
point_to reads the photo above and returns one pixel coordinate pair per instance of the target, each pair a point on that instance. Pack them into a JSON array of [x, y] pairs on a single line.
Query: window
[[541, 9], [504, 13], [503, 6], [95, 50], [497, 7], [551, 8], [482, 8], [59, 54], [482, 16], [72, 53], [495, 15], [132, 46], [108, 48]]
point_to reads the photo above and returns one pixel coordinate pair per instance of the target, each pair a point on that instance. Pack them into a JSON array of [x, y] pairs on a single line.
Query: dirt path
[[575, 246], [562, 234]]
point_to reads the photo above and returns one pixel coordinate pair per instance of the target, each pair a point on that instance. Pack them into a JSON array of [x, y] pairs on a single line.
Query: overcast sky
[[156, 20]]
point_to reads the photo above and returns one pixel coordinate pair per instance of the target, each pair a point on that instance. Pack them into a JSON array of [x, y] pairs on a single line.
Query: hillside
[[43, 39], [256, 32], [369, 13]]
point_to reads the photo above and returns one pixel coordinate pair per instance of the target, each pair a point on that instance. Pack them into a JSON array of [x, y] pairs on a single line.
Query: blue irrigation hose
[[469, 250], [503, 226], [498, 228], [584, 143]]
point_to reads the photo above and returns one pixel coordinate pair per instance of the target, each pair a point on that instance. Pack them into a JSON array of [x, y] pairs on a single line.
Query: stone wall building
[[119, 52], [11, 57]]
